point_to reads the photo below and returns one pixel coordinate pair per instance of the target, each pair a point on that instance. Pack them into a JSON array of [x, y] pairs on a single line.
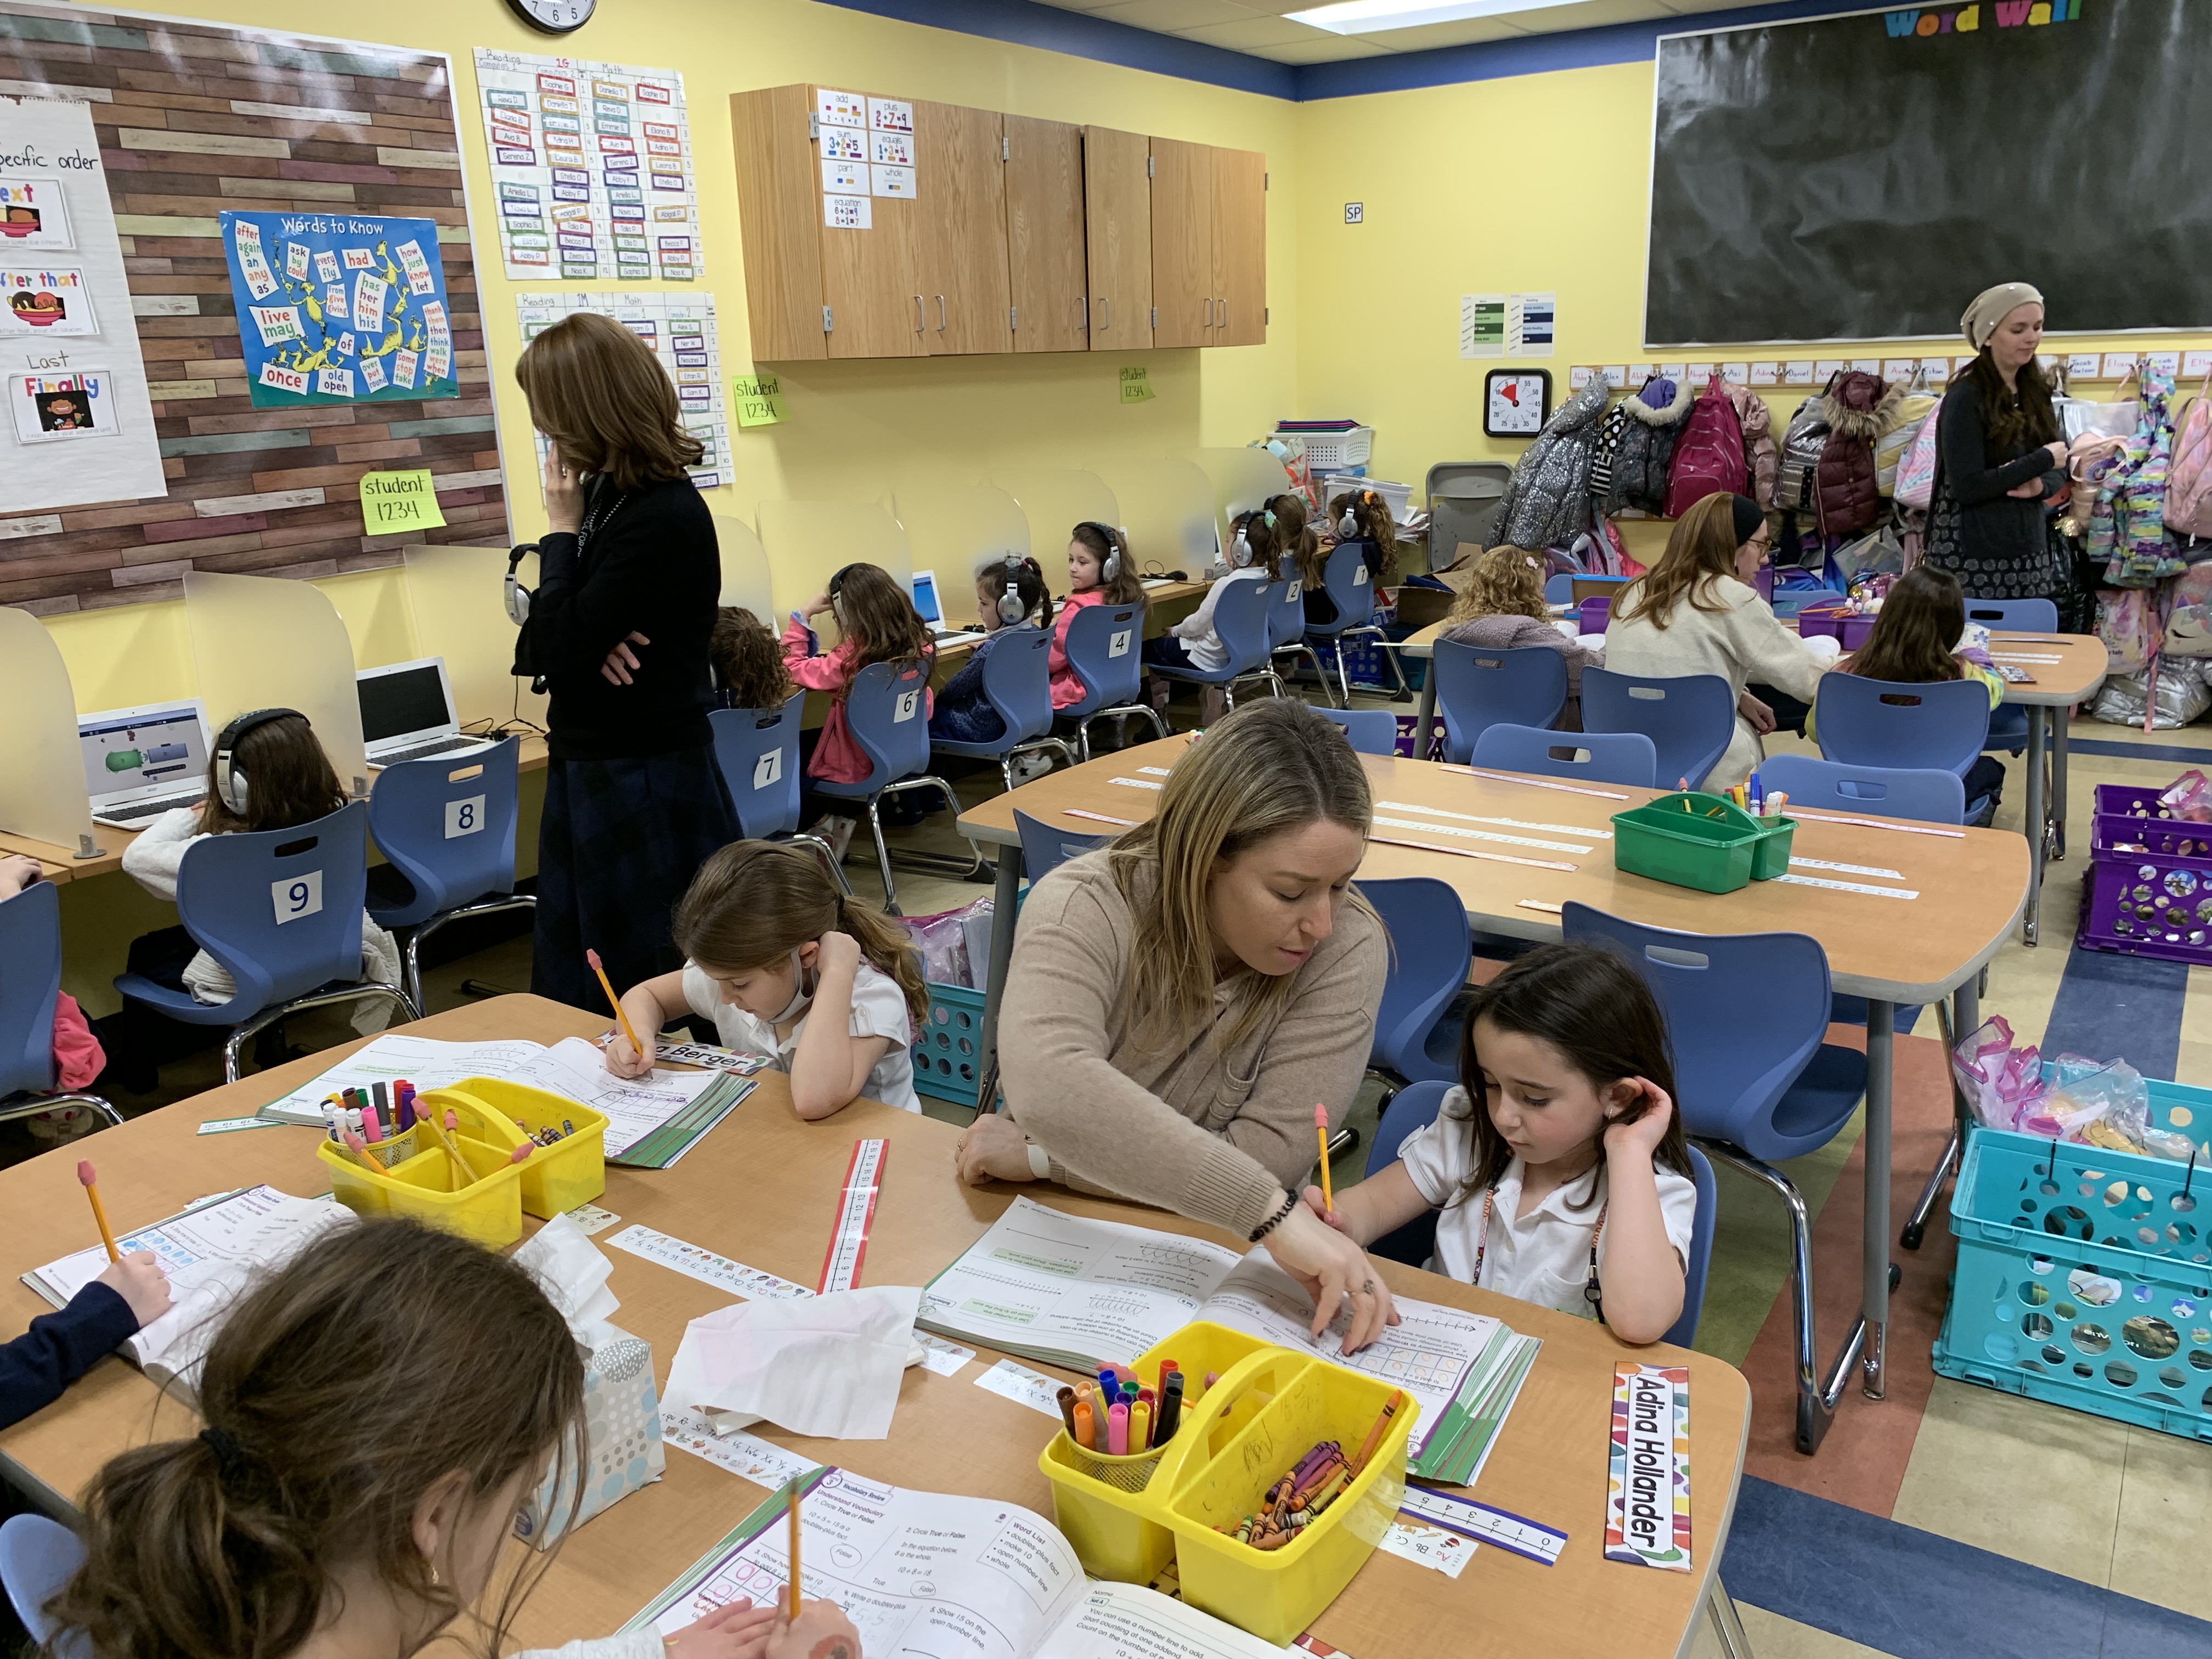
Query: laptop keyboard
[[443, 746], [139, 811]]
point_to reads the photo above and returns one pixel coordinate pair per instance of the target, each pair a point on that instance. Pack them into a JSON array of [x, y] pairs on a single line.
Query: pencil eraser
[[1321, 1115], [593, 956], [84, 1171]]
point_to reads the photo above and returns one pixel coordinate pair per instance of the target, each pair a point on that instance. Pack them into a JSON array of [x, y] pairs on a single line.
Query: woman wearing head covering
[[1998, 455]]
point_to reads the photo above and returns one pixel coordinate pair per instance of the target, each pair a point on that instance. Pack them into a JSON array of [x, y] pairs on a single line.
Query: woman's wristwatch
[[1281, 1215]]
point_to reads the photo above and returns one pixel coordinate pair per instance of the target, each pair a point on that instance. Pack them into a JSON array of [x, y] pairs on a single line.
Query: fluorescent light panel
[[1375, 17]]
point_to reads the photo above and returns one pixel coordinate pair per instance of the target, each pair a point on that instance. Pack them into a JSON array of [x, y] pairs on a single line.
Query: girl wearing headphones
[[1099, 572], [878, 623], [618, 629], [1010, 593], [1255, 554]]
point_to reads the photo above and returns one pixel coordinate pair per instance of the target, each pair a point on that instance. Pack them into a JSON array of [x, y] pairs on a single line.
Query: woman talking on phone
[[629, 575]]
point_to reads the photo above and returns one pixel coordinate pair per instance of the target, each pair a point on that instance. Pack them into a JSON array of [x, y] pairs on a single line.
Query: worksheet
[[423, 1061]]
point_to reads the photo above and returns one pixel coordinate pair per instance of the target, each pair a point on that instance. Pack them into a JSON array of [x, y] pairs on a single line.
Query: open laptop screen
[[401, 703], [132, 751], [925, 598]]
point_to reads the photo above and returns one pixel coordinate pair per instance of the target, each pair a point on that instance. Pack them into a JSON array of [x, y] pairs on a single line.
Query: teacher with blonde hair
[[1179, 1000]]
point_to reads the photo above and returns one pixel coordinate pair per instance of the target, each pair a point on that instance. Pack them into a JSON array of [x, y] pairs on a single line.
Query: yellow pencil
[[629, 1031], [1320, 1134], [84, 1173], [794, 1549]]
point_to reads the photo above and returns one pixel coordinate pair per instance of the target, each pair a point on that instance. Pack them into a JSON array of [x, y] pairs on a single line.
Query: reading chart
[[680, 328], [592, 167]]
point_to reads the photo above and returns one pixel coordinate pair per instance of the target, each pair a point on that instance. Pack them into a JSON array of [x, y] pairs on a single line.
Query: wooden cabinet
[[1048, 286], [1240, 249], [1182, 243], [1117, 208], [961, 190], [779, 222]]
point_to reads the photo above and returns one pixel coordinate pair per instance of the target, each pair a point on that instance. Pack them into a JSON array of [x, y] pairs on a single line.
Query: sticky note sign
[[391, 503], [1136, 386], [759, 398]]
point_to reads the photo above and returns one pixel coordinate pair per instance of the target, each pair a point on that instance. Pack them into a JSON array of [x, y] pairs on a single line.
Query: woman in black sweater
[[1998, 456], [630, 574]]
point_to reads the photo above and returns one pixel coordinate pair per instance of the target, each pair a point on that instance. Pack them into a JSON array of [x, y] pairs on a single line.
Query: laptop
[[407, 712], [925, 606], [140, 762]]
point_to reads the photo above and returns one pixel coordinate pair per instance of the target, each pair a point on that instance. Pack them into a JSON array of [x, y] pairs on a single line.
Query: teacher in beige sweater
[[1180, 1000]]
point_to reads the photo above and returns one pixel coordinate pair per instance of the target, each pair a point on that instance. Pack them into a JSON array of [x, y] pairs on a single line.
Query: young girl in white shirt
[[826, 986], [1570, 1186]]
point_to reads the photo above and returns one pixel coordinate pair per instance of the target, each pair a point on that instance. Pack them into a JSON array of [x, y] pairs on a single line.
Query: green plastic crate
[[948, 1055], [1715, 847]]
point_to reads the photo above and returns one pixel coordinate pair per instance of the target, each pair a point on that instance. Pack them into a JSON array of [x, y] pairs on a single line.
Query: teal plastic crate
[[2084, 1277], [948, 1056]]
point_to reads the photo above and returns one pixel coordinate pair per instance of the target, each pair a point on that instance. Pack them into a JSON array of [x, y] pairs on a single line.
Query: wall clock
[[554, 17], [1516, 402]]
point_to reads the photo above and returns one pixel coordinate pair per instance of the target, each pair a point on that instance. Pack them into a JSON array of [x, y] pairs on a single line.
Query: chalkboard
[[1863, 177]]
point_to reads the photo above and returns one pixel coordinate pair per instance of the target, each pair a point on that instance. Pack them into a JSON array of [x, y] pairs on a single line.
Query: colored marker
[[371, 1130], [1170, 1407], [85, 1174], [1066, 1399], [1085, 1434], [403, 1092], [1320, 1134], [1117, 1431], [382, 1094], [1140, 1427]]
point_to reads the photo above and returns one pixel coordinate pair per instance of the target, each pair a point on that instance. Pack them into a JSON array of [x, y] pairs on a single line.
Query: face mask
[[800, 996]]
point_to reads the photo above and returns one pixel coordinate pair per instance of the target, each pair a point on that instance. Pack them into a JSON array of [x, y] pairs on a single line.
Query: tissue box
[[622, 1416]]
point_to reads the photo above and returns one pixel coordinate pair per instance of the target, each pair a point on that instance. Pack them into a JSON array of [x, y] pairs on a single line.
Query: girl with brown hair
[[628, 574], [1358, 515], [1255, 554], [1180, 1000], [1100, 571], [748, 671], [878, 623], [825, 985], [1695, 612], [377, 1410], [1502, 609]]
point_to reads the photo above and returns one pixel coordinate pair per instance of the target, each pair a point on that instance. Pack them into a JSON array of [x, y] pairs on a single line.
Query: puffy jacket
[[1645, 445], [1547, 502], [1858, 409], [1760, 458]]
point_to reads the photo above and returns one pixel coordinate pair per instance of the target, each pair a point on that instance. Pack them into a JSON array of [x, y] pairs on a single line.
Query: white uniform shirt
[[878, 1010], [1196, 631], [1542, 1257]]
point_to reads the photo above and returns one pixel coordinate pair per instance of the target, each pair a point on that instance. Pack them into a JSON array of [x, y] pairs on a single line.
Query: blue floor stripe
[[2149, 751], [2117, 1007], [1920, 1596]]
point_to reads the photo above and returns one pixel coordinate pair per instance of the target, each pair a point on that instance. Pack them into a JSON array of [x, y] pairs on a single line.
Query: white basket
[[1326, 452], [1399, 496]]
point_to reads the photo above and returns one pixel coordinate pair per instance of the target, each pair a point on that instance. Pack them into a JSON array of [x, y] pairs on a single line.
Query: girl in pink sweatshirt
[[878, 623]]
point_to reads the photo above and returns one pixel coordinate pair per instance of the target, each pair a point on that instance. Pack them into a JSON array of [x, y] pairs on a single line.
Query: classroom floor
[[1948, 1521]]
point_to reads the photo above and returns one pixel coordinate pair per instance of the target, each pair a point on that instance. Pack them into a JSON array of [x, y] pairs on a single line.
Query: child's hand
[[16, 872], [624, 1058], [139, 1282], [739, 1630], [1642, 1137], [1314, 1202], [820, 1632], [815, 606], [836, 950]]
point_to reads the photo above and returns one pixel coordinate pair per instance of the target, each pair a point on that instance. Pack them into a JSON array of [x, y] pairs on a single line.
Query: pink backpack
[[1708, 457], [2188, 474]]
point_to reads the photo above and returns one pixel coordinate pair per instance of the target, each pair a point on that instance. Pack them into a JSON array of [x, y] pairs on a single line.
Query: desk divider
[[1241, 479], [261, 642], [1168, 506], [957, 529], [808, 541], [746, 581], [43, 793], [1054, 499], [456, 600]]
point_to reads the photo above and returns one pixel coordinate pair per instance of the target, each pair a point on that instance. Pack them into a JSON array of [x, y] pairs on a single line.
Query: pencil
[[794, 1549], [630, 1031], [84, 1173], [1320, 1134]]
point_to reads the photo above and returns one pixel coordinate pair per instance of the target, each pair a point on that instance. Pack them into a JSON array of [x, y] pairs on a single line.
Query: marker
[[1140, 1427], [630, 1031], [382, 1094], [1066, 1399], [1109, 1384], [1083, 1431], [794, 1545], [1167, 1366], [1129, 1393], [85, 1174], [1320, 1134], [1374, 1434], [1170, 1407], [371, 1130], [1758, 791], [403, 1092], [1117, 1431]]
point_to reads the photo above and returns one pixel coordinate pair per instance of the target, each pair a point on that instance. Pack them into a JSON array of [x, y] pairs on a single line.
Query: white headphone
[[1011, 608], [1110, 568], [229, 781], [515, 594]]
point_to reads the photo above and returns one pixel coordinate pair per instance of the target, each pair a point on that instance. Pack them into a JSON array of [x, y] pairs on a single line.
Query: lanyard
[[591, 521], [1592, 1292]]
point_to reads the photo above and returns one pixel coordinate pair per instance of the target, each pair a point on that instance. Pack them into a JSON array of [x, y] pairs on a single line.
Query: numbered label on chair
[[1118, 645], [768, 769], [464, 818], [1296, 587], [908, 702], [297, 896], [1359, 576]]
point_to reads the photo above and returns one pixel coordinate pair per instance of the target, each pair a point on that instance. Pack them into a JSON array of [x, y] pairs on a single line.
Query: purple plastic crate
[[2144, 904], [2127, 814], [1591, 616], [1848, 631]]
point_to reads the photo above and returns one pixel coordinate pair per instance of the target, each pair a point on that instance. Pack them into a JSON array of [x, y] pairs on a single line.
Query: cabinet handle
[[940, 313], [1225, 312], [1109, 323], [1082, 314], [1209, 313], [918, 323]]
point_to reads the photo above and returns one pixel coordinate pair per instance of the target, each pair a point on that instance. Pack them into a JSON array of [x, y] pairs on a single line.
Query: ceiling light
[[1374, 16]]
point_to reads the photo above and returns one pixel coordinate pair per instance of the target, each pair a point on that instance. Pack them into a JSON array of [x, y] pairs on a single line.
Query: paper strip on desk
[[1025, 1386], [1850, 886], [1510, 824], [1136, 783], [1875, 824], [1647, 1501], [1095, 817], [753, 1284], [1535, 783], [1446, 1552], [1485, 835], [745, 1455], [1448, 1512], [1847, 869], [1469, 852]]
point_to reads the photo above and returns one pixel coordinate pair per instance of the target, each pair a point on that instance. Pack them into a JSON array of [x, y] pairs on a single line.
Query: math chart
[[680, 329], [340, 308], [591, 166]]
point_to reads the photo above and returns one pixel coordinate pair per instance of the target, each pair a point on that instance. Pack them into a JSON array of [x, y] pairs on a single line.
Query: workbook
[[652, 1121], [931, 1575], [1083, 1294], [212, 1253]]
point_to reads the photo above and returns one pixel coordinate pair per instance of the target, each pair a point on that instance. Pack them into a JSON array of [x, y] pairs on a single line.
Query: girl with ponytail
[[825, 985], [377, 1410]]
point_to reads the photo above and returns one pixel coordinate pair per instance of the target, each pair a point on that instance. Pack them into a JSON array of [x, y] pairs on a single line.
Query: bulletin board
[[191, 121]]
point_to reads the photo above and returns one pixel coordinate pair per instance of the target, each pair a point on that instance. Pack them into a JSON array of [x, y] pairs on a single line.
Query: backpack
[[2139, 555], [1858, 408], [1891, 448], [1802, 441], [1651, 423], [2188, 474], [1760, 460], [1547, 502], [1916, 470], [1708, 456]]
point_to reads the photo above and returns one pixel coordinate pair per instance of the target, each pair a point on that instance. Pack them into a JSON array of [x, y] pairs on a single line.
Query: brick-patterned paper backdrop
[[193, 119]]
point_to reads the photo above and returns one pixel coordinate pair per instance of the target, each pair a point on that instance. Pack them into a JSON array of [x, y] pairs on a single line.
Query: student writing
[[1100, 571], [823, 984], [1558, 1168], [1010, 595], [371, 1431], [878, 623], [59, 1347]]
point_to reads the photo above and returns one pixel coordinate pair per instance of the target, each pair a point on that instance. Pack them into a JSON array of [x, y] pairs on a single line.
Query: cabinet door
[[1240, 249], [780, 217], [872, 277], [1118, 203], [960, 183], [1182, 243], [1048, 282]]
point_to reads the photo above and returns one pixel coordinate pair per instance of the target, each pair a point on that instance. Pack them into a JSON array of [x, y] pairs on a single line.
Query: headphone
[[837, 606], [515, 594], [1111, 569], [1348, 526], [229, 781], [1011, 608]]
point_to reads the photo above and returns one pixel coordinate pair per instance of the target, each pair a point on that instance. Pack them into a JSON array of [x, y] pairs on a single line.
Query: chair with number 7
[[281, 911], [446, 824]]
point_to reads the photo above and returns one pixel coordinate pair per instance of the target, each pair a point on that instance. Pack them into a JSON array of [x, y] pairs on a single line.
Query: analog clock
[[1516, 402], [554, 17]]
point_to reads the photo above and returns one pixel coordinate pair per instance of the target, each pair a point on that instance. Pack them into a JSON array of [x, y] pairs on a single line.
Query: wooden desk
[[1890, 951], [950, 1436]]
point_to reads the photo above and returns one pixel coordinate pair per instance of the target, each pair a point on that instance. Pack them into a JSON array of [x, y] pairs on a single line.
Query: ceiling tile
[[1468, 31], [1590, 14], [1325, 48], [1255, 33], [1166, 17]]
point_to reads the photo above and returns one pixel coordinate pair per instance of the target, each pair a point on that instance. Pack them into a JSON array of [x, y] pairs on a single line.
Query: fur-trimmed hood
[[1671, 415], [1861, 406]]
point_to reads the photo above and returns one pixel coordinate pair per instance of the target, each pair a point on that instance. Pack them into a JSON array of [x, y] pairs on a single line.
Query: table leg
[[1875, 1267], [1966, 1020], [1004, 899], [1424, 720], [2060, 720], [2033, 824]]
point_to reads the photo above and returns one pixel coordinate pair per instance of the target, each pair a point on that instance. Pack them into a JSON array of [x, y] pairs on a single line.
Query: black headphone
[[230, 782], [836, 583], [1111, 568], [1011, 608], [516, 595]]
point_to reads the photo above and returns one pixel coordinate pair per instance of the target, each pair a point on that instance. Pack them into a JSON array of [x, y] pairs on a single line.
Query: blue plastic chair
[[1586, 756], [1923, 794], [1286, 628], [1103, 647], [1559, 587], [30, 982], [37, 1557], [1416, 1107], [1371, 731], [447, 825], [1477, 688], [1045, 848], [886, 707], [281, 909], [1346, 580], [1936, 725], [1018, 683], [1753, 1089], [1240, 618], [757, 752], [1690, 719], [1431, 951], [2008, 720]]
